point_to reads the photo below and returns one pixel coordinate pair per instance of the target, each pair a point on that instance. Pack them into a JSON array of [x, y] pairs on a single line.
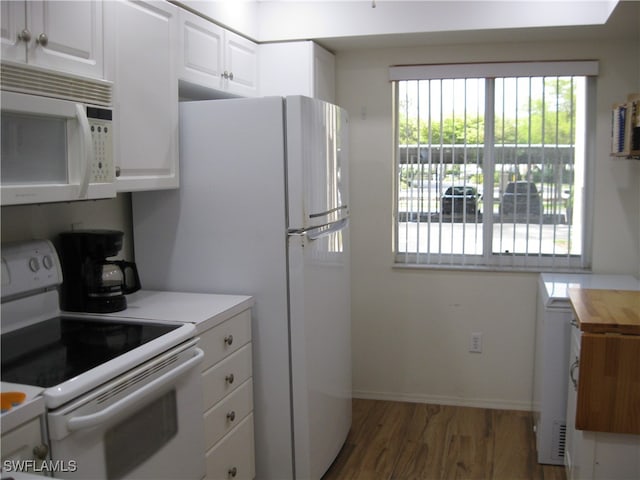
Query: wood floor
[[402, 441]]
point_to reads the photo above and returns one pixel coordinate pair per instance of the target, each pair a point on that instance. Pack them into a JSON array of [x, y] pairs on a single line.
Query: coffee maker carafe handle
[[127, 287]]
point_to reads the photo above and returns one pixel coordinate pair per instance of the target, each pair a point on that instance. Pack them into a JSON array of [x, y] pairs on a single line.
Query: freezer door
[[317, 156], [320, 325]]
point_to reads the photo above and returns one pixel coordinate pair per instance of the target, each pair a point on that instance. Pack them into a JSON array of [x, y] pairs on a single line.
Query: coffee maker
[[92, 282]]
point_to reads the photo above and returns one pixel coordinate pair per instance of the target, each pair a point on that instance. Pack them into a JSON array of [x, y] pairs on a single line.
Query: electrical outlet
[[475, 343]]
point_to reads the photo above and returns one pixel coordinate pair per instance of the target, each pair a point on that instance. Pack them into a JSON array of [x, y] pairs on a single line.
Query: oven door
[[146, 423]]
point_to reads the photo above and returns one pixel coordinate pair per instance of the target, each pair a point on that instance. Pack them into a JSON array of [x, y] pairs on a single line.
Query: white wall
[[26, 222], [411, 328]]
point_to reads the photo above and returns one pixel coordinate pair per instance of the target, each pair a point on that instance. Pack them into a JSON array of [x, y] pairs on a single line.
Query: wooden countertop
[[607, 311]]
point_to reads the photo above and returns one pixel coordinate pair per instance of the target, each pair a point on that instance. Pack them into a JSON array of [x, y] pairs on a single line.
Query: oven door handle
[[89, 421]]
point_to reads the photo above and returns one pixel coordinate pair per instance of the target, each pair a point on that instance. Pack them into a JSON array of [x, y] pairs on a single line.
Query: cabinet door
[[608, 389], [324, 74], [201, 51], [286, 69], [297, 68], [19, 443], [146, 95], [233, 457], [67, 36], [573, 446], [241, 65], [13, 20]]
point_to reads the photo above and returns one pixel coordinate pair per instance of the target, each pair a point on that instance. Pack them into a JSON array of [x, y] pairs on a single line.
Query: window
[[491, 164]]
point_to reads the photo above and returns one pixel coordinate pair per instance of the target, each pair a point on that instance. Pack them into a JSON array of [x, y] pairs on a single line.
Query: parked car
[[458, 200], [521, 198]]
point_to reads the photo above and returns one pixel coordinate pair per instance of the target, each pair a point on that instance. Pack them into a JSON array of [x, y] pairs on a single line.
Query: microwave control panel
[[100, 123]]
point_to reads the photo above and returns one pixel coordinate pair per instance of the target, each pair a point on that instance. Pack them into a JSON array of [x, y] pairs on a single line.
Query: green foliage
[[548, 119]]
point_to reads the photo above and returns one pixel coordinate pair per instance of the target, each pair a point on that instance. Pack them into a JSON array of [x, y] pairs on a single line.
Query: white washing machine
[[553, 319]]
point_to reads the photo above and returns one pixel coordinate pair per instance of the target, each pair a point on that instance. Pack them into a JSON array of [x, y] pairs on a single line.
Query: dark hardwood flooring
[[403, 441]]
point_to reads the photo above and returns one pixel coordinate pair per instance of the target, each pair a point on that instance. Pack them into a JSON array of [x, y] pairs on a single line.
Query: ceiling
[[623, 23], [357, 24]]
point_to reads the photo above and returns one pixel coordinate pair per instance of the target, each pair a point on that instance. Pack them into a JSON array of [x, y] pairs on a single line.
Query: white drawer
[[225, 338], [226, 376], [233, 456], [228, 413]]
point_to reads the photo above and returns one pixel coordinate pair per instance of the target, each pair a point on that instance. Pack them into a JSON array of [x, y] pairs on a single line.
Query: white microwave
[[55, 148]]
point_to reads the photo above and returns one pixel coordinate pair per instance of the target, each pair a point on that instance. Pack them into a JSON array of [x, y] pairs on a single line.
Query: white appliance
[[123, 397], [553, 331], [56, 137], [262, 210]]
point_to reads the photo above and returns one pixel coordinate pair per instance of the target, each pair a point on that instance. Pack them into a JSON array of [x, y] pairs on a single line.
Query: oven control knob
[[47, 261], [34, 264]]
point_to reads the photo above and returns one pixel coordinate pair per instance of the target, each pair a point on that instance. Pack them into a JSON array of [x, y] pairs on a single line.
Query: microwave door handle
[[86, 148]]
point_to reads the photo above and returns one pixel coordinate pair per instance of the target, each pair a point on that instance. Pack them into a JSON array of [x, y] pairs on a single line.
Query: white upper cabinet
[[241, 65], [65, 36], [144, 36], [297, 68], [200, 54], [212, 57]]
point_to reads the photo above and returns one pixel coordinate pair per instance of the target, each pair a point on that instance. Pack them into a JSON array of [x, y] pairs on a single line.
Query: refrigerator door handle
[[328, 212], [314, 233]]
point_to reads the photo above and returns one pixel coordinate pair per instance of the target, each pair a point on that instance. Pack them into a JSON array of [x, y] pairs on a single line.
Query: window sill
[[489, 268]]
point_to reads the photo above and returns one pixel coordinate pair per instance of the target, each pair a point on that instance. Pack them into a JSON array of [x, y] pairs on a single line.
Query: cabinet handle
[[574, 366], [24, 35], [40, 451], [117, 171], [228, 340], [42, 40], [233, 471], [231, 416], [229, 378], [230, 75], [225, 75]]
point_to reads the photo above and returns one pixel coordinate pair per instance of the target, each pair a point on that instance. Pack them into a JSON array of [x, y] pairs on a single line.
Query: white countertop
[[30, 408], [205, 310], [555, 286]]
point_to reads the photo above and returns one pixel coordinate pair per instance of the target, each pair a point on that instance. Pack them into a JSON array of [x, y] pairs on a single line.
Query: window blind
[[491, 170], [585, 68]]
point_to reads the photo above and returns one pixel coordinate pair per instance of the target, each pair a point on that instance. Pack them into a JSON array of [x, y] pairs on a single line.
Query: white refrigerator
[[263, 210]]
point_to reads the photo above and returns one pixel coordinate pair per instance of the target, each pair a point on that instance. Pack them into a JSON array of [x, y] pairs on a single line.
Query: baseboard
[[495, 404]]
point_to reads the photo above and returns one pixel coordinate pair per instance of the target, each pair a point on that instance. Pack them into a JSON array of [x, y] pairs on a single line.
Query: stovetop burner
[[67, 354], [50, 352]]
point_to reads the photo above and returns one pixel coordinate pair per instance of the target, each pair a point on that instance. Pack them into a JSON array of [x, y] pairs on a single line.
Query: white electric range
[[122, 396]]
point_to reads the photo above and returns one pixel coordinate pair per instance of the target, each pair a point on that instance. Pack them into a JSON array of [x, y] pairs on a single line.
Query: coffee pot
[[91, 281], [109, 278]]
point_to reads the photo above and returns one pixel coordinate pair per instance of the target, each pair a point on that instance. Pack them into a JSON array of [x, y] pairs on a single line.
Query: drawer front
[[225, 338], [233, 456], [228, 413], [19, 443], [226, 376]]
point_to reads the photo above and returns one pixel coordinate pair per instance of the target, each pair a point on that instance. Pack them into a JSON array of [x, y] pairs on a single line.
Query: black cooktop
[[55, 350]]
